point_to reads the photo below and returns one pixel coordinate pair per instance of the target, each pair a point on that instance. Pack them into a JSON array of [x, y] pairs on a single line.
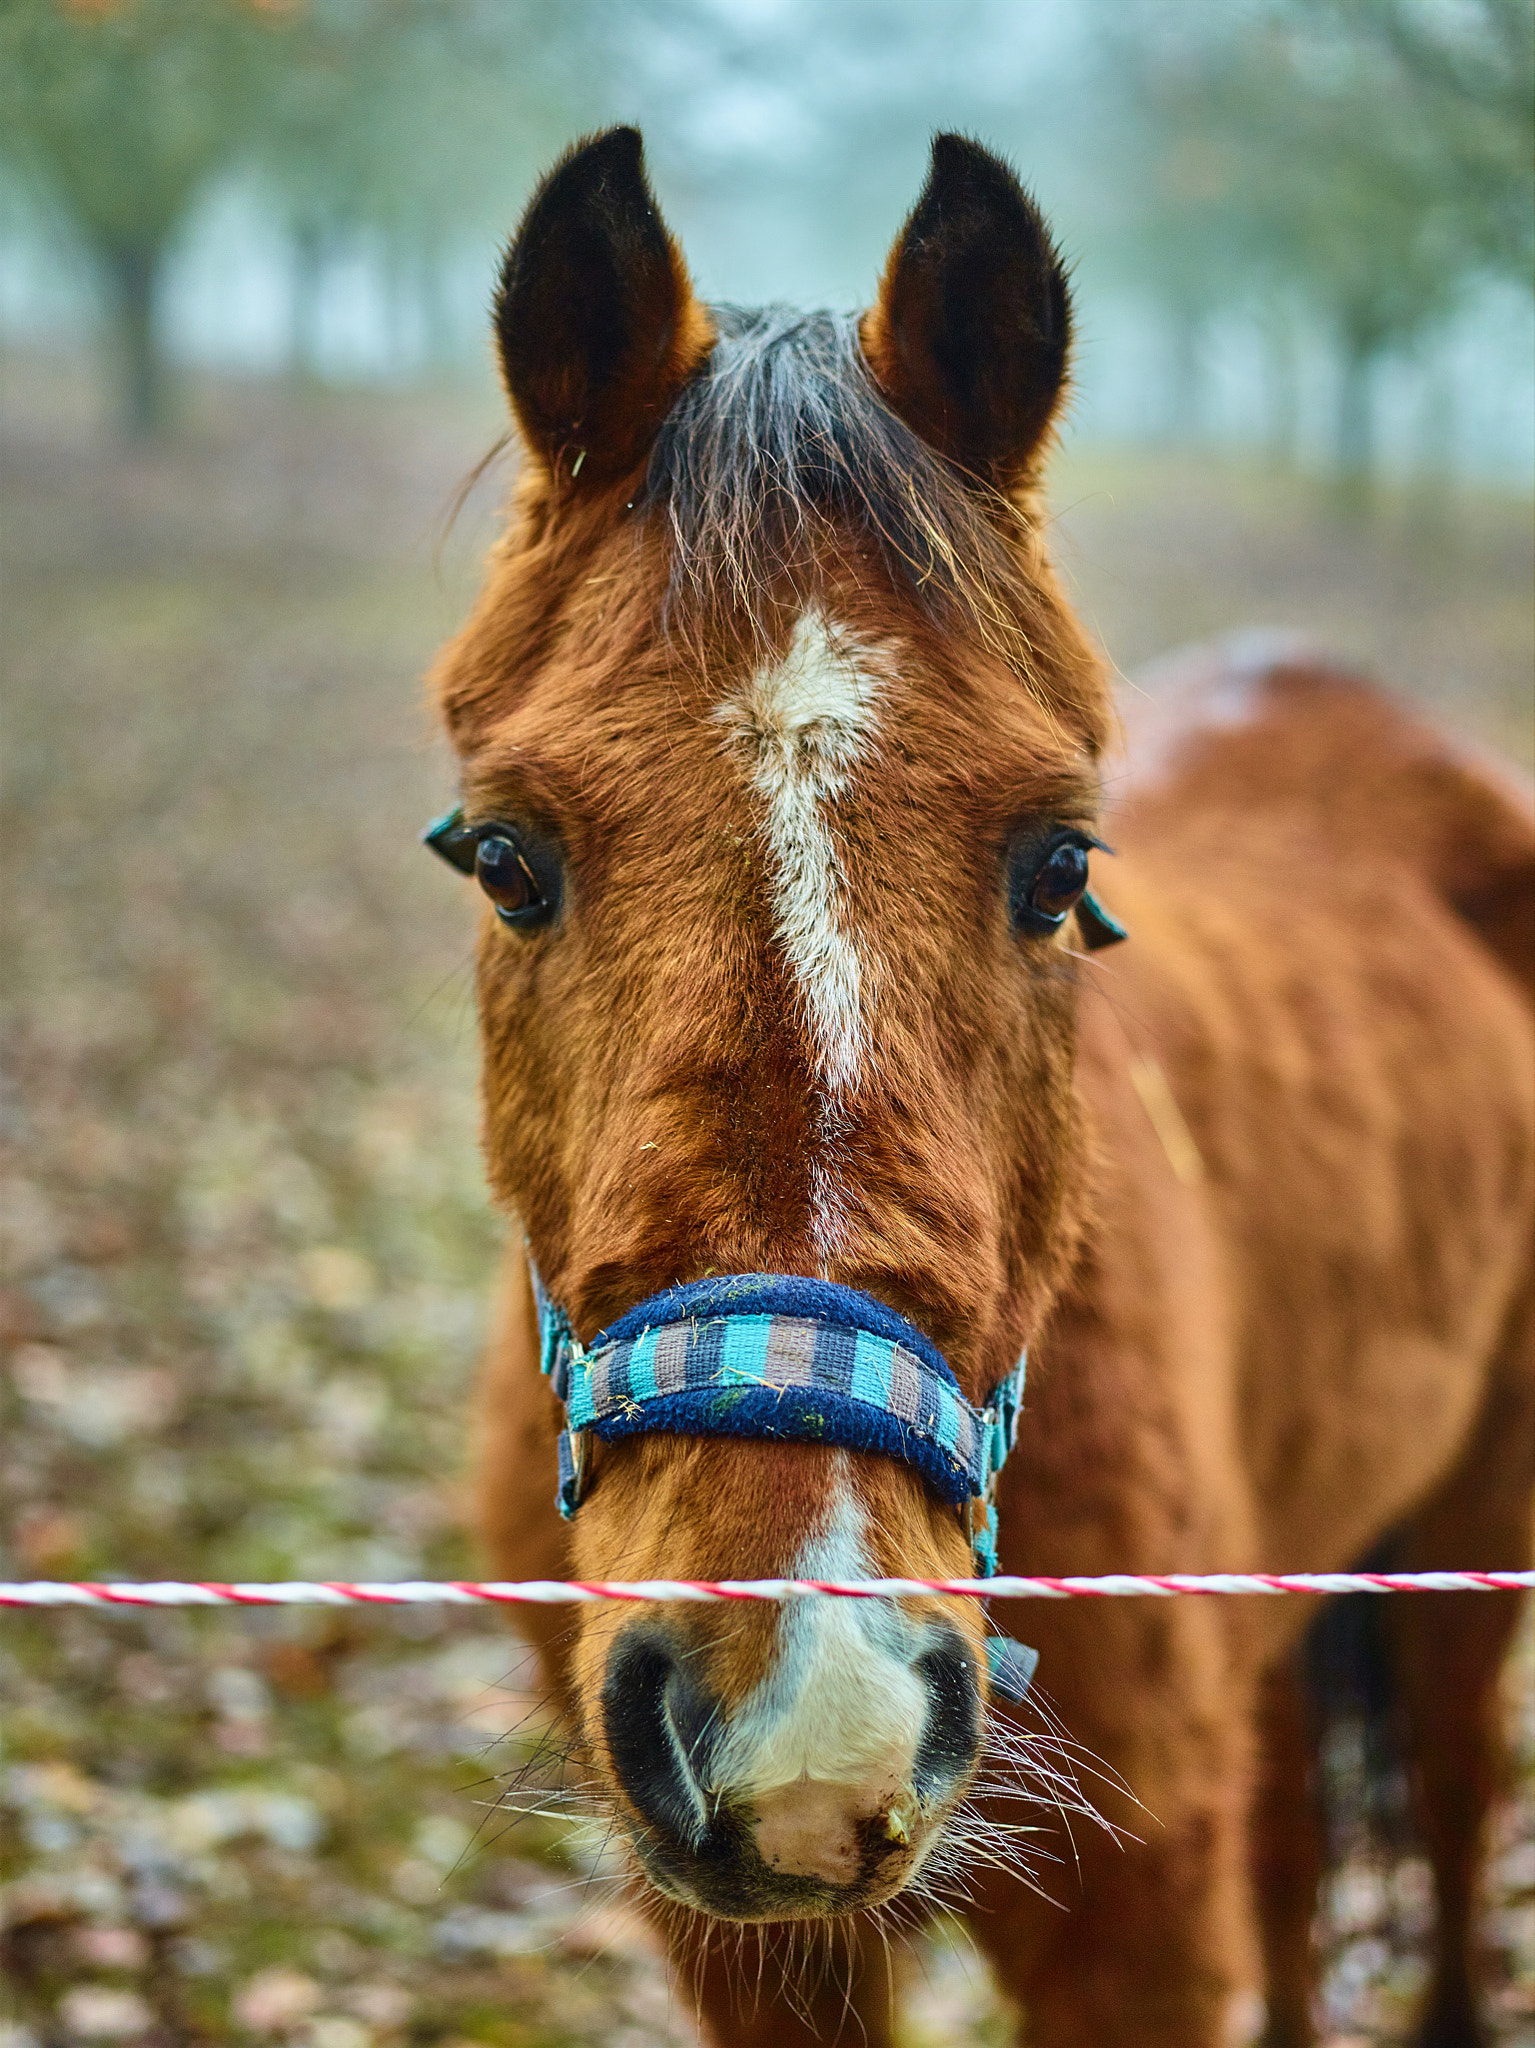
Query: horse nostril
[[659, 1725], [810, 1792], [952, 1731]]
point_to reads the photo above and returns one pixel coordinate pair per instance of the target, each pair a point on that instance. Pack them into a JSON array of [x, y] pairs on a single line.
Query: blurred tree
[[1411, 136], [1467, 75], [117, 113], [411, 121], [1345, 210], [414, 122], [1357, 162]]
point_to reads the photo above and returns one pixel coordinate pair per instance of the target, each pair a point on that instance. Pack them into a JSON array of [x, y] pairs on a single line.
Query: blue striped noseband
[[784, 1359]]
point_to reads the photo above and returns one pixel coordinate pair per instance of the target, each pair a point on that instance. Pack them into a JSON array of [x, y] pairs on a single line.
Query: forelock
[[781, 443]]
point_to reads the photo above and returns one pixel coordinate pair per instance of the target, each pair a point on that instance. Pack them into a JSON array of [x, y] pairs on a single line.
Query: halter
[[788, 1359]]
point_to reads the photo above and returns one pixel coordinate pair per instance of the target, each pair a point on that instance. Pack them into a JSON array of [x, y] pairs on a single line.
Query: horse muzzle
[[821, 1793]]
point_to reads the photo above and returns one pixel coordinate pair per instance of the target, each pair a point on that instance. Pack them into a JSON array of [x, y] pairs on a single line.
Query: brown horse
[[781, 767]]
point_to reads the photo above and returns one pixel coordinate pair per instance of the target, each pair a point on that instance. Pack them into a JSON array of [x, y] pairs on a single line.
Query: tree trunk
[[439, 335], [1355, 426], [1282, 375], [1432, 494], [304, 347], [1184, 411], [133, 274]]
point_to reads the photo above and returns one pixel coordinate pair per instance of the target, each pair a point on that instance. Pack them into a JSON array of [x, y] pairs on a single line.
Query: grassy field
[[247, 1248]]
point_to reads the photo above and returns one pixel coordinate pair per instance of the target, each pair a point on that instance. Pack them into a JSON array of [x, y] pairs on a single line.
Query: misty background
[[1300, 226], [247, 1257]]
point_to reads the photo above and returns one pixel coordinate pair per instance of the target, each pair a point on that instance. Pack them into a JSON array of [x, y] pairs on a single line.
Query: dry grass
[[247, 1249]]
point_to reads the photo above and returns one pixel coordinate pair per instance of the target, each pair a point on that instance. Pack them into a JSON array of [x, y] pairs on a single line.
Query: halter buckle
[[575, 1457]]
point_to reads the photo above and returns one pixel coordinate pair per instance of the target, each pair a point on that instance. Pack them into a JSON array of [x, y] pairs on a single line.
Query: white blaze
[[807, 721], [842, 1704], [804, 724]]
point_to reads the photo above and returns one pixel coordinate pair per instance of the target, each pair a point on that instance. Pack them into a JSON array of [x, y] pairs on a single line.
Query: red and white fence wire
[[560, 1592]]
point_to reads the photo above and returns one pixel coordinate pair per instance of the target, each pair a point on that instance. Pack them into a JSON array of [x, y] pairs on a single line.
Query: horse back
[[1260, 731]]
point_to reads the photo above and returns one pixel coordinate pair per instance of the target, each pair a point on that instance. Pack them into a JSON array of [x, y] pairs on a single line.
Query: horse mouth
[[724, 1874], [735, 1868]]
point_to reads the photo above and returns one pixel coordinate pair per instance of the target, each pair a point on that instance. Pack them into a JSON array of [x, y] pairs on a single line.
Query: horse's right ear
[[595, 317], [970, 335]]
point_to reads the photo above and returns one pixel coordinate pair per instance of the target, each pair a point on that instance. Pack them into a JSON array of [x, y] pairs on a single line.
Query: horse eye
[[506, 878], [1060, 881], [1047, 881]]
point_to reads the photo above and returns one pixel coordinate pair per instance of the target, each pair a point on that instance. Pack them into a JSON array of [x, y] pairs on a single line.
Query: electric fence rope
[[104, 1594]]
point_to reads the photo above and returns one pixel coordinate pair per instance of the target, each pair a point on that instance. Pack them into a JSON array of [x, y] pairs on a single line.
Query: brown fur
[[1315, 1336]]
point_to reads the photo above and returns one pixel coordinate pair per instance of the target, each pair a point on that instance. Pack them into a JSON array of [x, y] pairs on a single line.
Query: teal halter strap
[[782, 1357]]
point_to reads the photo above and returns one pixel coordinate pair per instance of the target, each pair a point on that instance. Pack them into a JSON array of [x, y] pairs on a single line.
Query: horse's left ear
[[595, 317], [970, 335]]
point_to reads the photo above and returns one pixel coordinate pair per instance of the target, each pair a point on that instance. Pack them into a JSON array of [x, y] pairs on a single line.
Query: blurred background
[[246, 251]]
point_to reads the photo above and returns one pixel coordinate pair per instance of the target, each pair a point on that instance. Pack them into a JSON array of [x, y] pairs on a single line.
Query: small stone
[[336, 1954], [338, 1278], [442, 1840], [159, 1905], [416, 1881], [98, 2014], [59, 1786], [112, 1948], [275, 2000], [336, 2030], [41, 1375], [238, 1693], [383, 2005]]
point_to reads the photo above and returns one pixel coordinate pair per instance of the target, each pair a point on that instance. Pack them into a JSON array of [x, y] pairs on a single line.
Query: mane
[[783, 439]]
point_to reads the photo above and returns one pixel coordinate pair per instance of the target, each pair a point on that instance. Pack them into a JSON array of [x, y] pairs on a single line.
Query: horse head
[[779, 755]]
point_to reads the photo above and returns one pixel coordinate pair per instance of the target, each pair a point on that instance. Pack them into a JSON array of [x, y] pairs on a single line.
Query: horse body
[[790, 760], [1321, 1339]]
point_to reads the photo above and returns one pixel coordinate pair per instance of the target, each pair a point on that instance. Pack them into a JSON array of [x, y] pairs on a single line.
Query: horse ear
[[595, 317], [970, 334]]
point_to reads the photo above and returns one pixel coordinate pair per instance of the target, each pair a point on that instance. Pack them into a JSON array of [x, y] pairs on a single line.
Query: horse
[[822, 1095]]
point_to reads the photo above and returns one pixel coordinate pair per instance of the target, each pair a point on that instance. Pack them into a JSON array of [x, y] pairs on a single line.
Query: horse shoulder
[[1312, 1091]]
